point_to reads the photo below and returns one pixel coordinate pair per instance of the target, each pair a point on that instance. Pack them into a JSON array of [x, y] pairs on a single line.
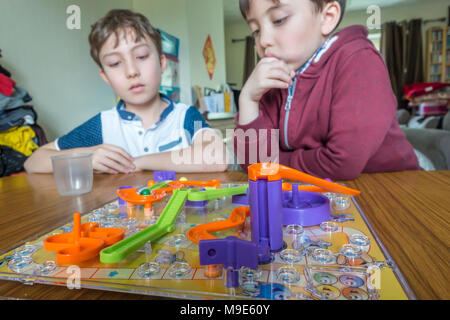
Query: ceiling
[[231, 7]]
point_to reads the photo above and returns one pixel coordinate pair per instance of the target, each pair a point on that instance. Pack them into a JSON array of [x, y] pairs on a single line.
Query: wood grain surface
[[408, 210]]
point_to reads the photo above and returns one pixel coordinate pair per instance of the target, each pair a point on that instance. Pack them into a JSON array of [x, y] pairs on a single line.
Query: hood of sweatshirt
[[351, 37]]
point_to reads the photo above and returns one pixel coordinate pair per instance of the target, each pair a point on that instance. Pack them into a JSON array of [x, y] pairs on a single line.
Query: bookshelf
[[438, 54]]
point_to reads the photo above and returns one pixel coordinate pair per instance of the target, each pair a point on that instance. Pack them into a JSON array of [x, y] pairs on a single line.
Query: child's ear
[[104, 77], [163, 62], [331, 14]]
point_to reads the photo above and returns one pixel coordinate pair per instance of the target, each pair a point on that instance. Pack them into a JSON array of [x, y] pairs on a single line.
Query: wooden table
[[408, 210]]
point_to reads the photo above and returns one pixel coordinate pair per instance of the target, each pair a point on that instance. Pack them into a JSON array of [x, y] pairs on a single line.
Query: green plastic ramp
[[165, 224], [210, 194]]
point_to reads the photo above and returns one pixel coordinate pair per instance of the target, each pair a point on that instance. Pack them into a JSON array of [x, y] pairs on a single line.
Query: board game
[[266, 239]]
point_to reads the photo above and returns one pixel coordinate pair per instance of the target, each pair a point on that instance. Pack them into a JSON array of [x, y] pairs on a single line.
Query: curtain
[[249, 59], [401, 47], [413, 61]]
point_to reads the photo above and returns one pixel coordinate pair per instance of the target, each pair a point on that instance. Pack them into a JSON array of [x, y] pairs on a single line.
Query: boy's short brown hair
[[244, 5], [120, 20]]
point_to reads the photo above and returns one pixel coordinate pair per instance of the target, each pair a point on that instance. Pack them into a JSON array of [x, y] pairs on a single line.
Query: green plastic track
[[209, 194], [165, 224]]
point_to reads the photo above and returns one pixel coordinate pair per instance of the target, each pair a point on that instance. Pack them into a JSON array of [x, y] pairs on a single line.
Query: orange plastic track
[[203, 231], [288, 187], [274, 172], [83, 243]]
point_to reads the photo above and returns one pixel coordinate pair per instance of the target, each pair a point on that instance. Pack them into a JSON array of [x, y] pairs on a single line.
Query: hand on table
[[107, 158]]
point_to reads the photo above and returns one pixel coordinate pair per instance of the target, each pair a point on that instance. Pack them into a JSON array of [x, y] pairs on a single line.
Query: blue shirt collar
[[130, 116]]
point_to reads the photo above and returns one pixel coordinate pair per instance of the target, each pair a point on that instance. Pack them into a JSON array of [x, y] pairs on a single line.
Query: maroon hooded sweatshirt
[[342, 119]]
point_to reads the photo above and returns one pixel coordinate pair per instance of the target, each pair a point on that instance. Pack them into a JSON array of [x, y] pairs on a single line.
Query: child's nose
[[265, 39], [132, 70]]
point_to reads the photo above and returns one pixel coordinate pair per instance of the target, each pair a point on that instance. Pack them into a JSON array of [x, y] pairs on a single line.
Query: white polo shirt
[[176, 128]]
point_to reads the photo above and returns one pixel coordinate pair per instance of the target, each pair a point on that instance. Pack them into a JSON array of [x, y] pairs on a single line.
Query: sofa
[[427, 140]]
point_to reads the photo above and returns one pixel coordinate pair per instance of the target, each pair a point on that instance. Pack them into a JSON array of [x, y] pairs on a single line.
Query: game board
[[341, 258]]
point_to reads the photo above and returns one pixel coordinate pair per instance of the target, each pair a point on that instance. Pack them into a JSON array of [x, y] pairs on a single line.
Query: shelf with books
[[438, 54]]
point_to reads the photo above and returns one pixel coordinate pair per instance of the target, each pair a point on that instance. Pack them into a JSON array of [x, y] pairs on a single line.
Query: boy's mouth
[[271, 55], [137, 88]]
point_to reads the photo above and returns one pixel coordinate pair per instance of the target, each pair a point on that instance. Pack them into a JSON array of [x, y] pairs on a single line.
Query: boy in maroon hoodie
[[328, 96]]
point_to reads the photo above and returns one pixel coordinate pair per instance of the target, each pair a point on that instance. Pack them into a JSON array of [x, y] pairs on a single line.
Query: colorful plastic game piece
[[288, 187], [265, 186], [121, 201], [232, 252], [164, 175], [83, 243], [203, 231], [275, 172], [210, 194], [165, 224], [304, 208], [132, 197]]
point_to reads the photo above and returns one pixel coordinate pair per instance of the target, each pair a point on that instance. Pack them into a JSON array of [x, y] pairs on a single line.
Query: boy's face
[[289, 30], [132, 69]]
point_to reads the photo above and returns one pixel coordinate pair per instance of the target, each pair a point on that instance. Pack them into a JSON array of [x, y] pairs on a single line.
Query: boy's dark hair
[[119, 20], [244, 5]]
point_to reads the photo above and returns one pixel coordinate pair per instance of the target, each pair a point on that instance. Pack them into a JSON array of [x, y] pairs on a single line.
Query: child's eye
[[143, 57], [280, 21], [112, 65], [255, 33]]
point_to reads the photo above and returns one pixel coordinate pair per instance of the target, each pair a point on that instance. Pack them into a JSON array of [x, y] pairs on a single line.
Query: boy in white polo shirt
[[145, 127]]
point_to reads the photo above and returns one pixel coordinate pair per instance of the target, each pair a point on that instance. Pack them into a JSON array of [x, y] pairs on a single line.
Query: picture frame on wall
[[170, 80]]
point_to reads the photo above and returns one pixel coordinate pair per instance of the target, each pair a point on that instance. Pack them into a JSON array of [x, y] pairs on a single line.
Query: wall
[[237, 28], [53, 63], [235, 52], [186, 19], [205, 17]]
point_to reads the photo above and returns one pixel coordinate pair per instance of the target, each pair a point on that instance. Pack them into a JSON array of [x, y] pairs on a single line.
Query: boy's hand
[[112, 159], [269, 73]]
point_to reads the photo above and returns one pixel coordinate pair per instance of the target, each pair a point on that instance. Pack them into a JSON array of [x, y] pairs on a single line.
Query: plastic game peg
[[83, 243], [165, 224], [274, 172], [232, 252]]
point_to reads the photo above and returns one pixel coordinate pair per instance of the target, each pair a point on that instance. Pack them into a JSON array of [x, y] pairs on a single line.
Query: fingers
[[275, 64], [269, 73], [120, 151], [112, 159], [280, 75]]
